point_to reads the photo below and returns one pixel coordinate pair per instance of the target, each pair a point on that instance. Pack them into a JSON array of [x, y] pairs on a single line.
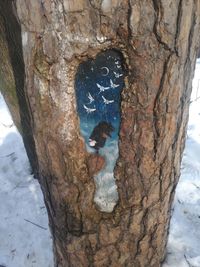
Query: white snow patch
[[24, 38], [106, 5], [22, 244]]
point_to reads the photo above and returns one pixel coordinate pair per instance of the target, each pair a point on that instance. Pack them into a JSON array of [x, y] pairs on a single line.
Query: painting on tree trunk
[[98, 84]]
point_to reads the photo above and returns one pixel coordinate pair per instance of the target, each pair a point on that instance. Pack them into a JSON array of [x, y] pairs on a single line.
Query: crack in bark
[[155, 108], [89, 252], [153, 236], [190, 38], [129, 13], [142, 232], [157, 7], [160, 181], [47, 190], [178, 23], [96, 4]]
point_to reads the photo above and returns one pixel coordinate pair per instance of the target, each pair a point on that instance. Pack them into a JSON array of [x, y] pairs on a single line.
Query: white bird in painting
[[106, 101], [89, 110], [117, 75], [102, 88], [113, 85], [91, 98]]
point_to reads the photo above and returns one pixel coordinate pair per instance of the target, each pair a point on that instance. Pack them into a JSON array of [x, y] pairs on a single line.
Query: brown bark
[[7, 81], [12, 77], [159, 41]]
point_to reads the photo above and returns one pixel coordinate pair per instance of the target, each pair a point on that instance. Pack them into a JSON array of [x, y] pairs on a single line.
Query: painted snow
[[23, 244], [98, 86]]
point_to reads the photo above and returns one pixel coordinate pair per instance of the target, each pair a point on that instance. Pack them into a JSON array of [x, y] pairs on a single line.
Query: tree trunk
[[7, 81], [12, 77], [159, 42]]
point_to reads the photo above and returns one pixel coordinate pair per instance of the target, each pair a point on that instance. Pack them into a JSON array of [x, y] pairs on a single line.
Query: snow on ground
[[22, 244], [183, 249], [24, 235]]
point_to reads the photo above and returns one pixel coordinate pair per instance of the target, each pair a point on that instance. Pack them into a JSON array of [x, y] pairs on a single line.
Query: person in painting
[[99, 135]]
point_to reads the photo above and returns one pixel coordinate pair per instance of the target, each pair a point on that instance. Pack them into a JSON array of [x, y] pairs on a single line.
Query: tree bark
[[159, 41], [7, 82], [12, 77]]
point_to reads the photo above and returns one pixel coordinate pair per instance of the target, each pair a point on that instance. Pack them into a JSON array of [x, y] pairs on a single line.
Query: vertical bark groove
[[178, 23]]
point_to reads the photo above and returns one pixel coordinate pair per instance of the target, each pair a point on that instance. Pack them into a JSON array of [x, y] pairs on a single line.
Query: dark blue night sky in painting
[[98, 85]]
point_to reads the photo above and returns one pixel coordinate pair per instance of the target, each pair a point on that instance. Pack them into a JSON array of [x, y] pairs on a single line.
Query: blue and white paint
[[98, 86]]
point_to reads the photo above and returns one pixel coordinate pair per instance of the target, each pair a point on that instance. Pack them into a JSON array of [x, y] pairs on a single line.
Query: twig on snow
[[35, 225], [19, 185], [6, 157], [7, 126], [196, 186], [186, 259]]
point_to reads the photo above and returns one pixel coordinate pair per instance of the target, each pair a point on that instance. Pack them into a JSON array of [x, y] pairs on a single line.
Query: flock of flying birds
[[102, 89]]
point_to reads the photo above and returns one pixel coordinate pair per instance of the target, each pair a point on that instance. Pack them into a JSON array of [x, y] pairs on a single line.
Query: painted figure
[[99, 135]]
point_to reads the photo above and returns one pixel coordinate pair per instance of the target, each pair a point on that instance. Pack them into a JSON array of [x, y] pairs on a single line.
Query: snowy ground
[[24, 235], [183, 248], [22, 244]]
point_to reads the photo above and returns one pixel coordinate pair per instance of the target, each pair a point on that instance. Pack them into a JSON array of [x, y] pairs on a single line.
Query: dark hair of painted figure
[[99, 135]]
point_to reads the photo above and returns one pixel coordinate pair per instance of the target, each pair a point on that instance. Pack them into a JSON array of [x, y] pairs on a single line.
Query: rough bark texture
[[12, 77], [159, 41], [7, 81]]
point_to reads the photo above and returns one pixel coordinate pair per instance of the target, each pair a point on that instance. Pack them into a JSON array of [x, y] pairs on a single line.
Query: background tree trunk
[[12, 77], [7, 82], [159, 41]]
